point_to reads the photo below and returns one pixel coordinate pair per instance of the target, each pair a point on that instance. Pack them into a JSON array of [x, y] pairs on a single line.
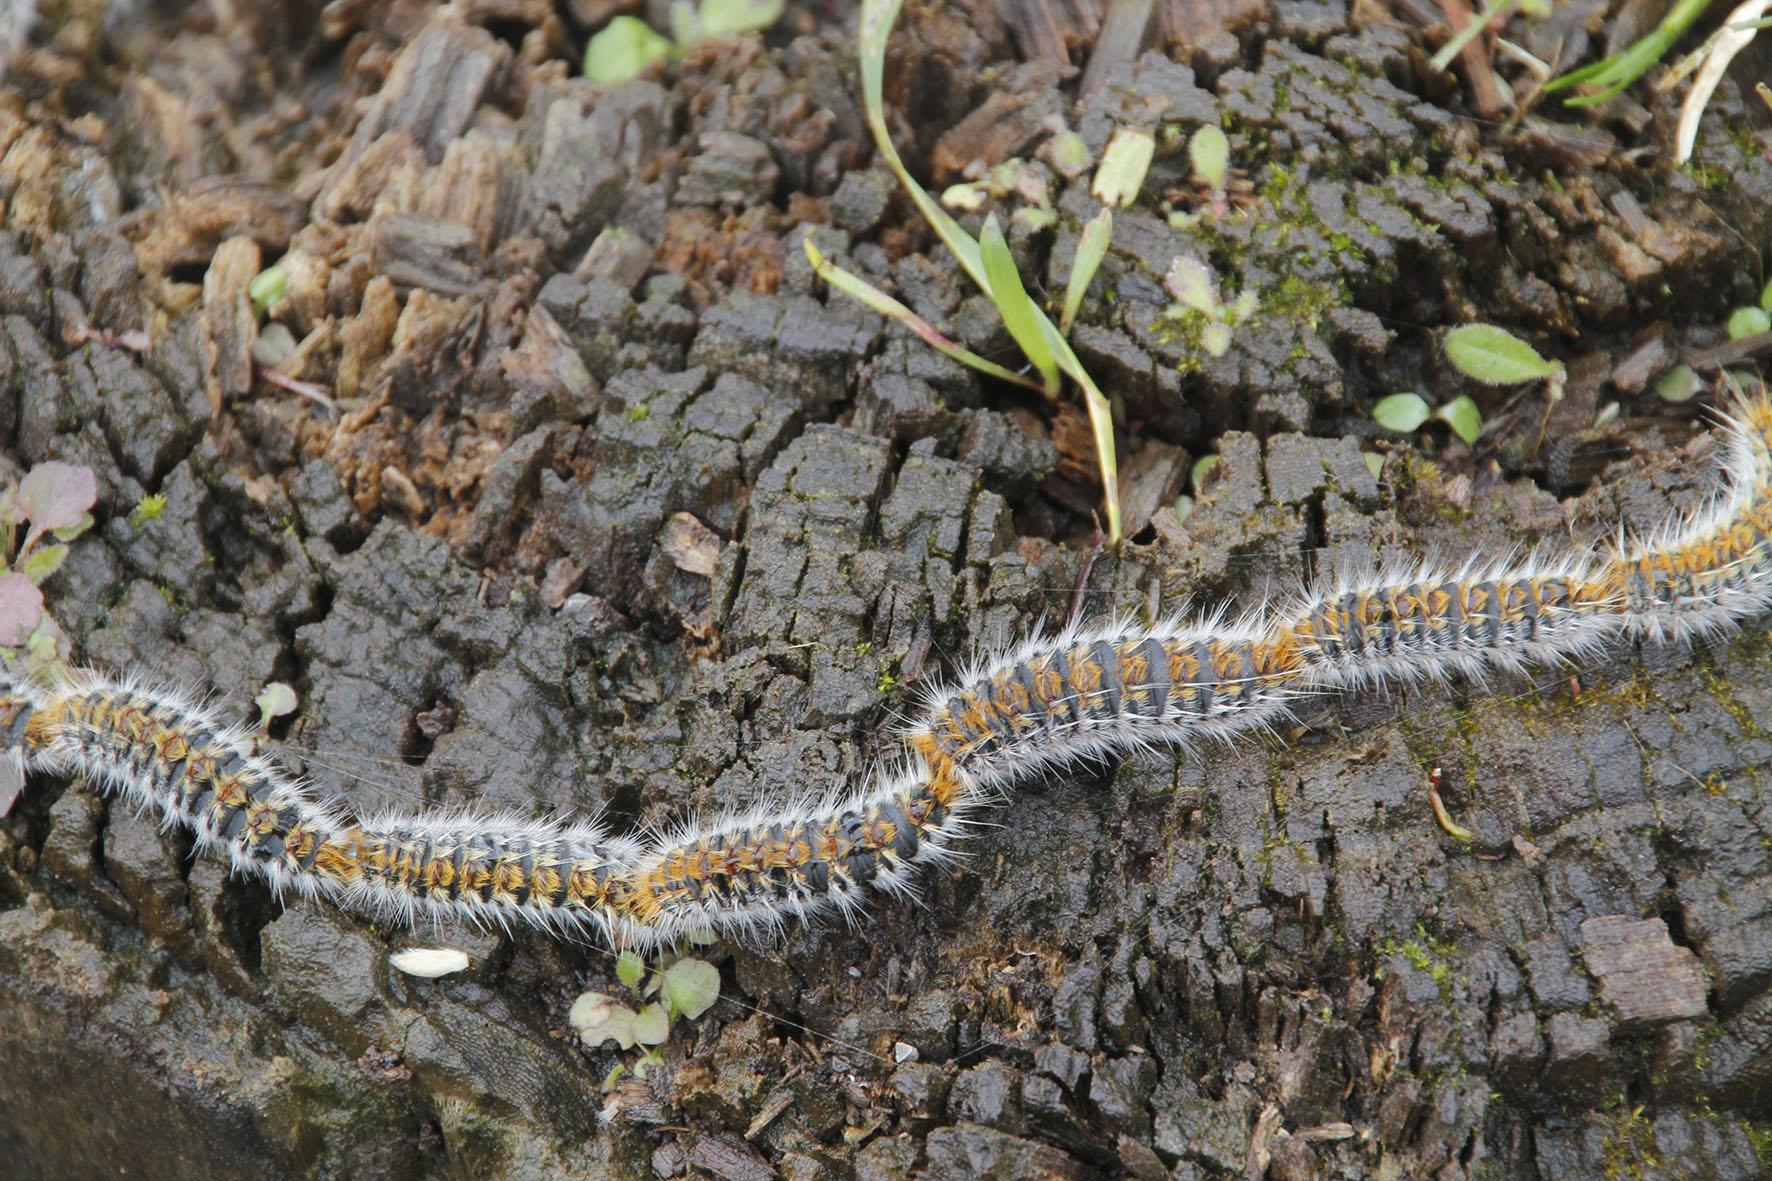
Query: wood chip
[[1643, 974], [436, 253], [188, 230], [730, 1162], [1150, 479], [366, 337], [230, 324], [691, 546]]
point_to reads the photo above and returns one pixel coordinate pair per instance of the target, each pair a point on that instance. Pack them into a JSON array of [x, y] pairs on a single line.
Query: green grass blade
[[1443, 59], [872, 297], [1019, 314], [1620, 70], [877, 19], [1091, 249], [1101, 424]]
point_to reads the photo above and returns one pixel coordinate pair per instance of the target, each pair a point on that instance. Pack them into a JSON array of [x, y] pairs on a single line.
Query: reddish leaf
[[21, 606], [56, 496]]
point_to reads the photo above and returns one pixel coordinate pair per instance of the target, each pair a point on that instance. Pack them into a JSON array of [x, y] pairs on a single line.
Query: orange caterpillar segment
[[196, 771], [1054, 701], [770, 867], [1728, 563], [1428, 619]]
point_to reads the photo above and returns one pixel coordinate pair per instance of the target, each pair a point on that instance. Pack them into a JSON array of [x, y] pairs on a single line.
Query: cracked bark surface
[[1267, 961]]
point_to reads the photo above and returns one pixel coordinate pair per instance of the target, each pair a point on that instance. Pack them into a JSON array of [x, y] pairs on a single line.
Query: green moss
[[1760, 1136], [1628, 1150], [1426, 953], [1710, 178], [1300, 300], [148, 508]]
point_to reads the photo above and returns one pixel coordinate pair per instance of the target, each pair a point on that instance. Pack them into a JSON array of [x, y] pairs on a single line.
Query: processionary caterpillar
[[1089, 693]]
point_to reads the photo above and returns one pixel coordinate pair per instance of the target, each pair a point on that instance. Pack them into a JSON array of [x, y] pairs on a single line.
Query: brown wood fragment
[[1187, 23], [230, 324], [435, 253], [1051, 29], [1643, 974], [729, 1162], [1123, 31], [384, 170], [435, 86], [1648, 360], [367, 336], [1486, 94], [1150, 479], [479, 184], [1017, 111], [691, 546], [187, 230]]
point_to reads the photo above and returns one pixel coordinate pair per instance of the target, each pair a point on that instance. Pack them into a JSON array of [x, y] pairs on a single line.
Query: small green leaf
[[1766, 296], [614, 1076], [48, 645], [275, 701], [629, 967], [43, 562], [1462, 415], [1069, 153], [703, 937], [1203, 467], [1402, 413], [1374, 463], [1746, 322], [964, 197], [1210, 152], [652, 1025], [70, 532], [597, 1019], [1092, 246], [622, 50], [723, 18], [267, 287], [1215, 338], [1018, 311], [1190, 281], [274, 345], [691, 987], [1678, 384], [1495, 356], [1124, 162]]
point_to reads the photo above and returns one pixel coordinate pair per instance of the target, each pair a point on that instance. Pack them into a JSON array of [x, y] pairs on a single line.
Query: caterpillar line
[[1090, 693]]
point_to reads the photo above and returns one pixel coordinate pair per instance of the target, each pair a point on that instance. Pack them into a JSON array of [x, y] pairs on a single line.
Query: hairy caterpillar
[[1088, 693]]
